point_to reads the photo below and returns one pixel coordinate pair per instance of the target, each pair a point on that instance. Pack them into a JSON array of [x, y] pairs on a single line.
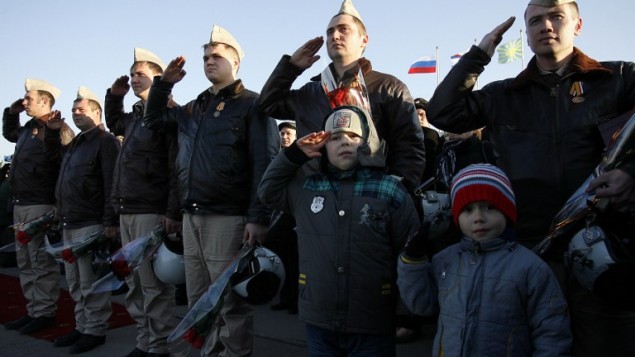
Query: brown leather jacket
[[392, 106]]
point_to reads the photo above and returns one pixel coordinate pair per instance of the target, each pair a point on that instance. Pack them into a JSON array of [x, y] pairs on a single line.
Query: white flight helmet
[[601, 264], [259, 276], [434, 205], [168, 264]]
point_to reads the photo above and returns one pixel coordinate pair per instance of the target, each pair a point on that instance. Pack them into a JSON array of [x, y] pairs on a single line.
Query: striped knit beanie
[[482, 182]]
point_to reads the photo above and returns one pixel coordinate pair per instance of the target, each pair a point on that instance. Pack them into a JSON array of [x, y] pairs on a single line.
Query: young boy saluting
[[495, 297], [352, 220]]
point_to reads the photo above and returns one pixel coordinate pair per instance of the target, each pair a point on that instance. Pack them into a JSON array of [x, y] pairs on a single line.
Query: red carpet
[[13, 306]]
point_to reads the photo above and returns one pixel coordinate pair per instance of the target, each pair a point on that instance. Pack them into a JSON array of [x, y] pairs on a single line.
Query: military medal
[[219, 108], [34, 132], [576, 92]]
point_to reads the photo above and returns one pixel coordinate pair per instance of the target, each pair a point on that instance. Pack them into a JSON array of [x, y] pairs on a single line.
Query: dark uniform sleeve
[[114, 113], [174, 205], [455, 107], [11, 126], [260, 133], [276, 95], [108, 154]]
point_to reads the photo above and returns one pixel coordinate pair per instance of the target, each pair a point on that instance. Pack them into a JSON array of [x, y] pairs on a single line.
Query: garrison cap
[[143, 55], [349, 9], [220, 35], [549, 3], [85, 93], [36, 84]]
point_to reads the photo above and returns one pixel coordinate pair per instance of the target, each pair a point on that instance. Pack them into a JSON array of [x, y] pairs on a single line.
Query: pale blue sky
[[71, 43]]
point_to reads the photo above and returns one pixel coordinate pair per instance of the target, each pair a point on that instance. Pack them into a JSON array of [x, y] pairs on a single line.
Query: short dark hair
[[153, 66], [233, 50], [49, 96]]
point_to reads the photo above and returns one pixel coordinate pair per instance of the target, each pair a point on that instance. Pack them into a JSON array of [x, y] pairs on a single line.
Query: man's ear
[[236, 65], [578, 27]]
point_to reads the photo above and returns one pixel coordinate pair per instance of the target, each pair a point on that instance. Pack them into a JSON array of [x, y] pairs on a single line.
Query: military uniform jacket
[[85, 181], [224, 148], [144, 178], [547, 136], [33, 169]]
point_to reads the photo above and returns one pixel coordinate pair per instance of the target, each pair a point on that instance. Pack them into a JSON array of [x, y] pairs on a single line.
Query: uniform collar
[[580, 63]]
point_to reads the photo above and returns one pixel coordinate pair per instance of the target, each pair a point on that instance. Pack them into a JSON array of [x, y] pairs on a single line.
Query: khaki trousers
[[39, 272], [150, 302], [210, 242], [92, 311]]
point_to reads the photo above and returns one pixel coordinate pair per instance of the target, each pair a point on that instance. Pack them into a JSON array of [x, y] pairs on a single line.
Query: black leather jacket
[[84, 185], [392, 106], [33, 170], [223, 149], [144, 180], [547, 139]]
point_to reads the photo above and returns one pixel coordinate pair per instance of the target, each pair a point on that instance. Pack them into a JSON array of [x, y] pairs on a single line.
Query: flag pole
[[437, 62], [522, 51]]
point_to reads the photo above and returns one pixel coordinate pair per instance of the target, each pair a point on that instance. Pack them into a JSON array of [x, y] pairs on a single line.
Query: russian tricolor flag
[[426, 64], [455, 58]]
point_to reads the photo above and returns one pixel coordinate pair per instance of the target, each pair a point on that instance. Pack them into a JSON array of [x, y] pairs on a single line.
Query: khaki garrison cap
[[142, 55], [85, 93], [349, 9], [549, 3], [220, 35], [36, 84]]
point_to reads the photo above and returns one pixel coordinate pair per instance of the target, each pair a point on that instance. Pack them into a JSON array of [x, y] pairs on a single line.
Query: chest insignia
[[219, 108], [576, 92], [318, 204]]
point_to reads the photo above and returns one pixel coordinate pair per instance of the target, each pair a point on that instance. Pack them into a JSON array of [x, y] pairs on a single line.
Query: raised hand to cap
[[312, 143], [55, 120], [17, 107], [305, 56], [174, 72], [121, 86], [492, 39]]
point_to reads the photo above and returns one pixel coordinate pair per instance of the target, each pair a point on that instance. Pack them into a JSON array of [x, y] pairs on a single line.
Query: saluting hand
[[55, 120], [174, 72], [312, 143], [17, 107], [121, 86], [492, 39], [305, 56]]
